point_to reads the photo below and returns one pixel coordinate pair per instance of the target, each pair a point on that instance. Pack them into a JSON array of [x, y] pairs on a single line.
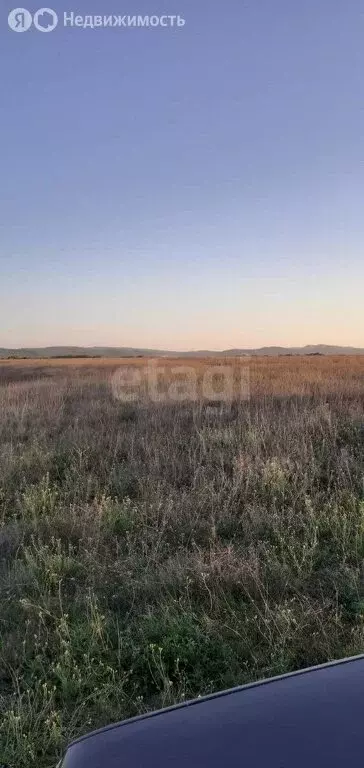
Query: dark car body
[[309, 719]]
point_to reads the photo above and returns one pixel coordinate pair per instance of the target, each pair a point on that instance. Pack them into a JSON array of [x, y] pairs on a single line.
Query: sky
[[184, 188]]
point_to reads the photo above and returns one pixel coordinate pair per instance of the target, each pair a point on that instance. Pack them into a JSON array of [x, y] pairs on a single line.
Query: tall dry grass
[[151, 552]]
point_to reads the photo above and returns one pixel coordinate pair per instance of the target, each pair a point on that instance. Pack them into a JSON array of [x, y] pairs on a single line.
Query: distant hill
[[60, 352], [315, 349], [54, 352]]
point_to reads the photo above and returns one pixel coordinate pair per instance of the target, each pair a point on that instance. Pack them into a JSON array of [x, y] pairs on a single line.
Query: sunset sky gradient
[[200, 187]]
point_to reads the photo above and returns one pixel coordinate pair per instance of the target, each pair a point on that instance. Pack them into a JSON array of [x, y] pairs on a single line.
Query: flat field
[[154, 548]]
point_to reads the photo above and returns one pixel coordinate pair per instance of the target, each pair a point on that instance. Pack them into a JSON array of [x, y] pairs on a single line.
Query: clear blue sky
[[185, 188]]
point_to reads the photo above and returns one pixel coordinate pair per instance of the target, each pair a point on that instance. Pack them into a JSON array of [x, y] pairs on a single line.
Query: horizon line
[[183, 351]]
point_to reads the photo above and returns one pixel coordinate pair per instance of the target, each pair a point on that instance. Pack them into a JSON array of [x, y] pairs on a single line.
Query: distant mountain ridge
[[48, 352]]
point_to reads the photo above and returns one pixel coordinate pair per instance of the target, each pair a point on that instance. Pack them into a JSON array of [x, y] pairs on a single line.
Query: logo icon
[[20, 20], [45, 20]]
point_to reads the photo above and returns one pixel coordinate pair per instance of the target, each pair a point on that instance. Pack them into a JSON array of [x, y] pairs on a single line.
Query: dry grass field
[[153, 551]]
